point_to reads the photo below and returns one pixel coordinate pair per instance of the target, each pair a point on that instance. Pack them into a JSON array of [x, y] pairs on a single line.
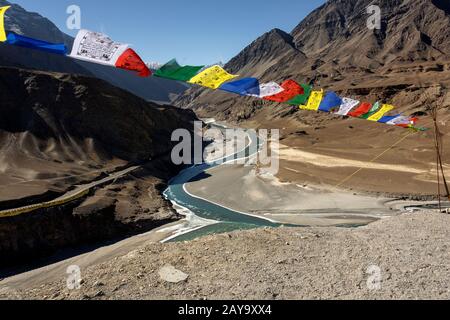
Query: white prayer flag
[[269, 89], [97, 47], [400, 120], [347, 106]]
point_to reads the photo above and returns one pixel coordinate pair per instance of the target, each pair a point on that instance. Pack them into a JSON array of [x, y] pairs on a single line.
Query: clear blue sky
[[195, 32]]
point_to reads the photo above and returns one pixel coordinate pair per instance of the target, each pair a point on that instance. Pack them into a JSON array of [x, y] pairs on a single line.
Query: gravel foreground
[[411, 252]]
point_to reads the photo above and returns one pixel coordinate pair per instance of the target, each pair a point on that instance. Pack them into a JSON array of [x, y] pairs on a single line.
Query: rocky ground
[[410, 251]]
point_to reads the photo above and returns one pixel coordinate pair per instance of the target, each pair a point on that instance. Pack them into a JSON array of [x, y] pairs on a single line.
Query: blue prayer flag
[[386, 119], [331, 100], [31, 43], [244, 87]]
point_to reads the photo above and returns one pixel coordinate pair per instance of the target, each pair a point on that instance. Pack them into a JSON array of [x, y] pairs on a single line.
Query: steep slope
[[266, 53], [411, 32], [58, 131], [154, 89], [265, 59], [59, 118], [34, 25]]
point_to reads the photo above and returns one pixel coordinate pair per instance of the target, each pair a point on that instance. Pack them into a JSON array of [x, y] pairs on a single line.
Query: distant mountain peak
[[413, 29], [154, 65], [265, 51], [276, 35], [286, 36]]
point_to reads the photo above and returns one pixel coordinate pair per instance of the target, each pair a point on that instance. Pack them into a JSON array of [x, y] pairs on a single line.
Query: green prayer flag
[[172, 70], [372, 111], [301, 99]]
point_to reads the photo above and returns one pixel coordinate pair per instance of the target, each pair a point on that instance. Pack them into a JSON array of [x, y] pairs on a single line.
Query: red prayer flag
[[364, 108], [130, 60], [291, 90]]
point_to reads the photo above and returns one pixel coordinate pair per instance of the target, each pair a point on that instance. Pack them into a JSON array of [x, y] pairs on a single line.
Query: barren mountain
[[34, 25], [333, 48], [411, 31], [58, 131], [406, 63]]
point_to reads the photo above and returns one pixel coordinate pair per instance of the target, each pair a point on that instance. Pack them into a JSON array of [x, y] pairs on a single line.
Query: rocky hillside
[[58, 131], [64, 110], [268, 52], [34, 25], [332, 48], [411, 31]]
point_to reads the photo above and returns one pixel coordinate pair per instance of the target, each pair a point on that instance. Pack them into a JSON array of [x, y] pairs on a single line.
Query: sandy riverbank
[[253, 191], [264, 195], [328, 153]]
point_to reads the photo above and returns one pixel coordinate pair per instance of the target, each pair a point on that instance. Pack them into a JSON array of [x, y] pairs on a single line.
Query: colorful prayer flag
[[97, 48], [172, 70], [2, 23], [301, 98], [387, 119], [291, 89], [330, 101], [130, 60], [375, 108], [21, 41], [364, 108], [212, 77], [313, 101], [268, 89], [385, 108], [347, 106], [402, 121], [244, 87]]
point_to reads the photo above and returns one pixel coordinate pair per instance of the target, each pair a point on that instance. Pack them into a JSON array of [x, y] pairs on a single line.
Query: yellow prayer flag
[[385, 108], [212, 77], [2, 23], [314, 101]]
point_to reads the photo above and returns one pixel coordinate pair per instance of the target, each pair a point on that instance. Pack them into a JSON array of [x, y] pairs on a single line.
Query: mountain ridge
[[398, 65], [332, 48], [36, 26]]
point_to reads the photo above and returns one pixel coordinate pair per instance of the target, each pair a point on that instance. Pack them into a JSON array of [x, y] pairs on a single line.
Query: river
[[215, 218]]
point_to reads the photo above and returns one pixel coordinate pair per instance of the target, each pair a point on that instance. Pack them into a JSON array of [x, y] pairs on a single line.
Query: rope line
[[438, 146], [376, 158]]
